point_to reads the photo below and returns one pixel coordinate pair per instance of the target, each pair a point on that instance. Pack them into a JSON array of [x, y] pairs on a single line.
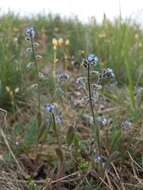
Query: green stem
[[54, 64], [59, 150], [37, 73], [55, 130], [95, 127]]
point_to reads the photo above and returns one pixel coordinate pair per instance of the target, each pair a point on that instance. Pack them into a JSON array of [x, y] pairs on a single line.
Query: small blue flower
[[98, 158], [30, 32], [50, 107], [91, 59]]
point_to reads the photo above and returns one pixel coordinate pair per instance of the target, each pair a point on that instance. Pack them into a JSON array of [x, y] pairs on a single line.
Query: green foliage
[[115, 138], [11, 81], [29, 135]]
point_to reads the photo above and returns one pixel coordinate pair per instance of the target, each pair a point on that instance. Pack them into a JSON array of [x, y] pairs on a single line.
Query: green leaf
[[54, 126], [31, 135], [116, 137], [70, 135]]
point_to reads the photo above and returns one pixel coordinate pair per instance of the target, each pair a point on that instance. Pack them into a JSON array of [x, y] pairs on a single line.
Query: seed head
[[91, 60], [60, 41]]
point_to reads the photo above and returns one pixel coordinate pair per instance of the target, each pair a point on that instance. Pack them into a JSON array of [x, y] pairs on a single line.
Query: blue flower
[[92, 59], [98, 158], [30, 32], [50, 107]]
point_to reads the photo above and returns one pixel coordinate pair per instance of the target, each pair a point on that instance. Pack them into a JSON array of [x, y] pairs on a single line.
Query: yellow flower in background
[[16, 90], [16, 29], [60, 41], [55, 42], [7, 89], [67, 42]]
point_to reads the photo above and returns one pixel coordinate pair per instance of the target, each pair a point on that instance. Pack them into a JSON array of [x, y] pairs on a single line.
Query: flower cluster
[[52, 108], [30, 33], [12, 93], [60, 42], [107, 74], [90, 60]]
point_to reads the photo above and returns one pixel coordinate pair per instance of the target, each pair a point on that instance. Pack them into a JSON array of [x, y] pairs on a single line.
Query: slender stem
[[37, 73], [95, 127], [56, 131], [54, 63], [61, 163], [66, 58]]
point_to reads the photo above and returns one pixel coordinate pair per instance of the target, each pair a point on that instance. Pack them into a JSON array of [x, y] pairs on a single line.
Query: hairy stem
[[37, 73], [54, 63], [95, 127], [56, 131]]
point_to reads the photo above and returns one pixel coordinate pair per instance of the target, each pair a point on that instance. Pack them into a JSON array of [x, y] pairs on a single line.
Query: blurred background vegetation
[[118, 44]]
